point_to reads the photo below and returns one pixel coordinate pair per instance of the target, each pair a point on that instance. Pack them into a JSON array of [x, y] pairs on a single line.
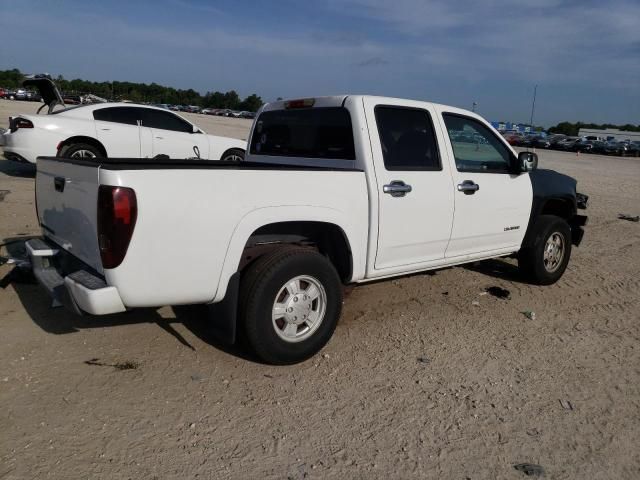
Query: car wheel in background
[[233, 155], [545, 261], [290, 302], [80, 150]]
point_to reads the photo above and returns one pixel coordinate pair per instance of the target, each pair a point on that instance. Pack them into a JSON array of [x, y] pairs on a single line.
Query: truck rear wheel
[[290, 302], [547, 258]]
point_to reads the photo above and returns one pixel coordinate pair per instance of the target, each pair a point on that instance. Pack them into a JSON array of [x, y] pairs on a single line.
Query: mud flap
[[223, 315]]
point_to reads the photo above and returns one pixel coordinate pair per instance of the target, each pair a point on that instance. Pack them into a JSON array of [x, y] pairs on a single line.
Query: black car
[[621, 149], [541, 142], [582, 146]]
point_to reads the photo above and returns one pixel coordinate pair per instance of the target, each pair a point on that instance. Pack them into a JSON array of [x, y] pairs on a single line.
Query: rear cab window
[[323, 133]]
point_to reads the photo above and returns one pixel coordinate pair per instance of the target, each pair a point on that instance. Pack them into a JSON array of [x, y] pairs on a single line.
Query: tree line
[[572, 129], [142, 92]]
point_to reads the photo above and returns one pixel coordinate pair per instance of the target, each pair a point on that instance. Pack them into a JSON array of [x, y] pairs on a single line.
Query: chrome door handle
[[397, 188], [468, 187]]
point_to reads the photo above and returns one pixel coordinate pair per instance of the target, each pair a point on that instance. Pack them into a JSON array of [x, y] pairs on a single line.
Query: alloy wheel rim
[[83, 154], [299, 308], [554, 250]]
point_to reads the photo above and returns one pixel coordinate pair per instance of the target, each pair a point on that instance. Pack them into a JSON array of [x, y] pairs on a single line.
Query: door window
[[407, 139], [475, 147], [124, 115], [165, 121]]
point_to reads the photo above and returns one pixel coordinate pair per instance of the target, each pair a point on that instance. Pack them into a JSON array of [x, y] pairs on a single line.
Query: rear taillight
[[16, 123], [117, 214]]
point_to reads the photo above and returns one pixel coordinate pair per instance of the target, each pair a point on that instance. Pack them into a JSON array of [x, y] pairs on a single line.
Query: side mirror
[[527, 161], [195, 129]]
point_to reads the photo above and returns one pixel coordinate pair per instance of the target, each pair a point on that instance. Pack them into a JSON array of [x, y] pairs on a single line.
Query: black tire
[[232, 155], [260, 285], [531, 260], [74, 149]]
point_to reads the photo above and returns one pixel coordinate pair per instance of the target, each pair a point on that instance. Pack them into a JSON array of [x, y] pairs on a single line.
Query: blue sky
[[584, 55]]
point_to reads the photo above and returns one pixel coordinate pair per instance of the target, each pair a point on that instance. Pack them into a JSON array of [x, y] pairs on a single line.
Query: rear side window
[[309, 133], [125, 115], [407, 139], [165, 121]]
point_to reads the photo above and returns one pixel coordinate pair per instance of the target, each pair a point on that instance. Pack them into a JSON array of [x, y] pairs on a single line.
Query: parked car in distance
[[513, 139], [582, 146], [566, 144], [110, 130], [246, 114], [621, 148], [71, 99], [541, 142], [329, 195]]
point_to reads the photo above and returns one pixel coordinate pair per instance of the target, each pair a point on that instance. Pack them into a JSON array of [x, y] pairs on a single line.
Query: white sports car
[[116, 130]]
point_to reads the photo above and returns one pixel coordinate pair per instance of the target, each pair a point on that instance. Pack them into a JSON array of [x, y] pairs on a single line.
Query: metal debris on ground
[[566, 404], [475, 303], [530, 469], [498, 292], [128, 365], [631, 218], [4, 193], [530, 315]]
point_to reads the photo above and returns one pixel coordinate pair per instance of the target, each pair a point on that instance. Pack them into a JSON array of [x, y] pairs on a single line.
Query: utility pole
[[533, 105], [473, 107]]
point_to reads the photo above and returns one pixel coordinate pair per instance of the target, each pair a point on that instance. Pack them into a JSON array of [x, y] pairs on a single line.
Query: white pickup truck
[[334, 190]]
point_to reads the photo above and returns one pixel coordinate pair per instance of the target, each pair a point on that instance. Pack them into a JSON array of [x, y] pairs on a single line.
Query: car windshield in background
[[308, 133]]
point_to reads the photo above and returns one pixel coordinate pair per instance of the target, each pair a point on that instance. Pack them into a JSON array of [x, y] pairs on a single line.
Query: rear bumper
[[80, 291]]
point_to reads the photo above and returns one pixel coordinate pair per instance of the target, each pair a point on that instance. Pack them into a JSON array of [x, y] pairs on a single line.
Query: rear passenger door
[[174, 136], [118, 129], [415, 194]]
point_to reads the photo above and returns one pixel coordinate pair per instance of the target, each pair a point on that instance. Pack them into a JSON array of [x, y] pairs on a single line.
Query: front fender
[[261, 217]]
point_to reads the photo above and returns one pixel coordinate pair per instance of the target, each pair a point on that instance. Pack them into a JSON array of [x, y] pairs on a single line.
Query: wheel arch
[[328, 238], [560, 206], [231, 149], [82, 139], [267, 228]]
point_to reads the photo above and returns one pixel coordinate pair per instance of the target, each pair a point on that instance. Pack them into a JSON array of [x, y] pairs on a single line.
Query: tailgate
[[67, 202]]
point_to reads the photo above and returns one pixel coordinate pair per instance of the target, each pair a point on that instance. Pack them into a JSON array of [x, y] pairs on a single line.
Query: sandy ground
[[418, 382]]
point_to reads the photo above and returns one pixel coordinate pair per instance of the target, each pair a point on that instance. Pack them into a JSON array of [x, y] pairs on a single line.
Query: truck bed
[[193, 217]]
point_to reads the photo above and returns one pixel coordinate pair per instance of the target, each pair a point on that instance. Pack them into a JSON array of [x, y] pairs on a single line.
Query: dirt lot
[[418, 381]]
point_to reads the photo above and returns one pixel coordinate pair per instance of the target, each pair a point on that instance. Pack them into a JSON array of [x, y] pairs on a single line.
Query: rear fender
[[265, 216]]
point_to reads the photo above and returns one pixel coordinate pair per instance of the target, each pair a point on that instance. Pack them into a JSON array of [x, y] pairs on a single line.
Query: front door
[[415, 195], [492, 205]]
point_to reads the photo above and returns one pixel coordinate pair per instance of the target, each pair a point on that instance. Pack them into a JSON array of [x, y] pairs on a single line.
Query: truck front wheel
[[290, 302], [547, 258]]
